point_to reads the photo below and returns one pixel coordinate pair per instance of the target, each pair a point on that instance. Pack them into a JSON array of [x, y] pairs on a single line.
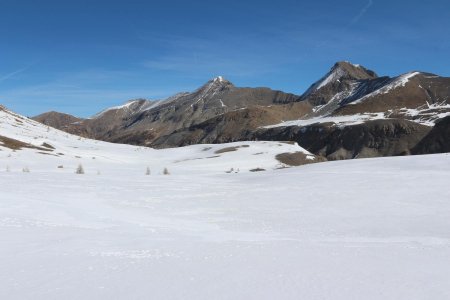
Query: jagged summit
[[212, 87], [219, 81], [342, 70], [339, 80], [353, 71]]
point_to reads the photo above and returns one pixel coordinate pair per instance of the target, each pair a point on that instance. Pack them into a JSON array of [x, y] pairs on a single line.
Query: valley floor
[[359, 229]]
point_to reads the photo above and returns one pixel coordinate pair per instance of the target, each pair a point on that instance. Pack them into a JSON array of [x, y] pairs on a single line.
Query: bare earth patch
[[257, 170], [297, 159], [230, 149], [18, 145], [48, 146]]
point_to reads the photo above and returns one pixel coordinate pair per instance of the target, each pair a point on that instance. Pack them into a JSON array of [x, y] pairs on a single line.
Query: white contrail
[[362, 12], [12, 74]]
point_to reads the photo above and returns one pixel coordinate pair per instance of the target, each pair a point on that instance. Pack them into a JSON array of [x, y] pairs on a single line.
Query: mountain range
[[351, 112]]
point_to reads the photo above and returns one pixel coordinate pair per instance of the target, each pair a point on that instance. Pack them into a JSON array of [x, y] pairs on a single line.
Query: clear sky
[[82, 56]]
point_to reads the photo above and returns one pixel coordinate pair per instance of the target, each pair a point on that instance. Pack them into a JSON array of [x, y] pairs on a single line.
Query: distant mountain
[[56, 119], [350, 112], [337, 84], [141, 121]]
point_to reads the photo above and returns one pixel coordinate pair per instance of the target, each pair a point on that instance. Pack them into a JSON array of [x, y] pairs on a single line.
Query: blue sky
[[82, 56]]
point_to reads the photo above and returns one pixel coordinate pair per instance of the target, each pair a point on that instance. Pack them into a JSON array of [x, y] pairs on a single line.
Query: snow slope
[[359, 229], [96, 156], [354, 229], [396, 82]]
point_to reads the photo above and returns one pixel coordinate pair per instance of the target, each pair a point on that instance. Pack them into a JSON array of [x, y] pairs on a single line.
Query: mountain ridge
[[218, 111]]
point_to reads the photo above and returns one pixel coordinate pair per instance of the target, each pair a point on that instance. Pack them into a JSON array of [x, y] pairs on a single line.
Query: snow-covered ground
[[359, 229]]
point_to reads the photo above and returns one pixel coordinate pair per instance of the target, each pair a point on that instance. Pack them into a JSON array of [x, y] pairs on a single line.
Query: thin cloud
[[362, 12]]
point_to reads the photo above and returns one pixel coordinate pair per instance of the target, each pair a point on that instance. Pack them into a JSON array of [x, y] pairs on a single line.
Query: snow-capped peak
[[217, 83], [218, 79]]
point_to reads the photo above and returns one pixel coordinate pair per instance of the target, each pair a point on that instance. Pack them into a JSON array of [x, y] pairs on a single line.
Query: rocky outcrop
[[232, 126], [437, 140], [369, 139]]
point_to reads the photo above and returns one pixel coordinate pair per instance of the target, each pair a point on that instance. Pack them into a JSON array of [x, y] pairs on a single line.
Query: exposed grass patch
[[46, 153], [48, 146], [257, 170], [230, 149], [227, 149], [18, 145], [297, 159]]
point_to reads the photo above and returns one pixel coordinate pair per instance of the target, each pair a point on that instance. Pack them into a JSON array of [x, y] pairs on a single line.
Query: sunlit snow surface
[[425, 115], [360, 229]]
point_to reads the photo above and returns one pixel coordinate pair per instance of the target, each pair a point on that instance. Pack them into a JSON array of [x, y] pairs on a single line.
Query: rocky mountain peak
[[219, 81], [347, 70], [338, 79], [214, 86]]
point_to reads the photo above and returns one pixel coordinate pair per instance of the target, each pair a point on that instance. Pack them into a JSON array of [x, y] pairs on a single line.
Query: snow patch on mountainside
[[426, 115], [332, 77], [397, 82], [128, 106], [335, 75], [346, 120]]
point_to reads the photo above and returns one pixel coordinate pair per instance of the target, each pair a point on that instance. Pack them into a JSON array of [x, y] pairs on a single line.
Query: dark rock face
[[437, 140], [231, 126], [370, 139]]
